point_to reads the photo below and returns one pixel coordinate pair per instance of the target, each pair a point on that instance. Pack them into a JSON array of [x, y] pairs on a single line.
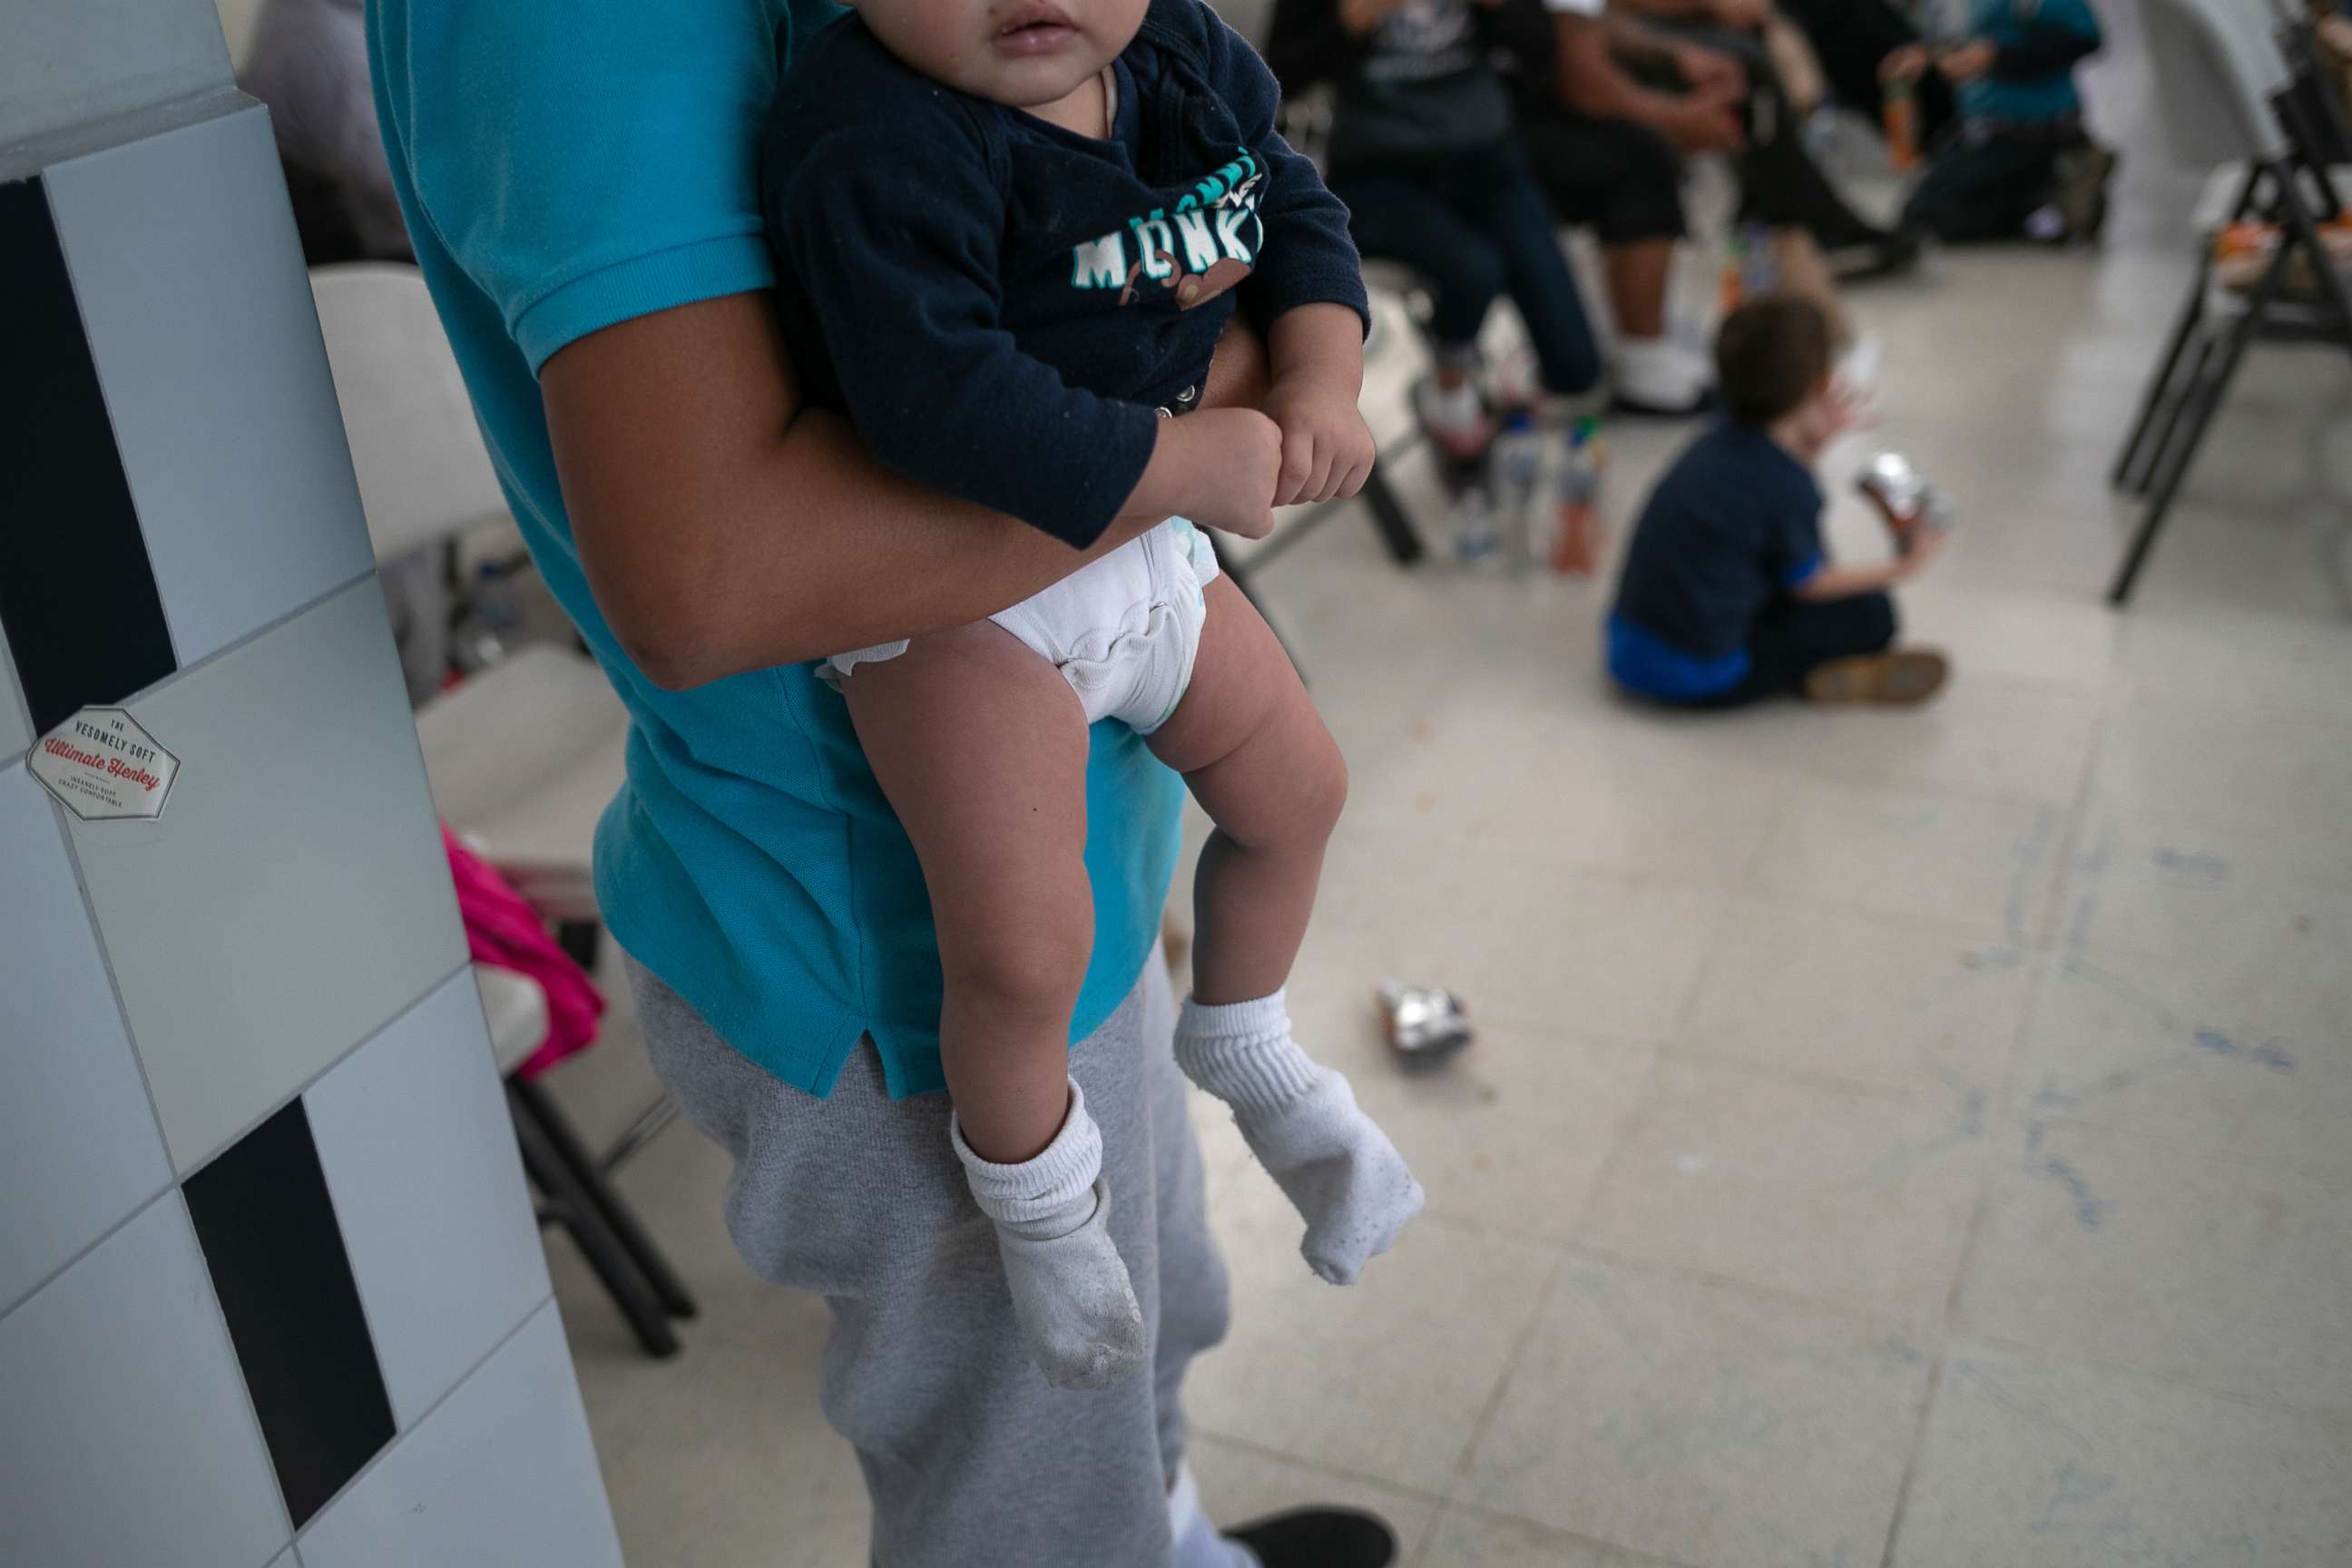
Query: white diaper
[[1123, 630]]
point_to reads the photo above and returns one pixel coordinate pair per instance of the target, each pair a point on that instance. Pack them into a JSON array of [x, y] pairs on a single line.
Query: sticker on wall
[[100, 765]]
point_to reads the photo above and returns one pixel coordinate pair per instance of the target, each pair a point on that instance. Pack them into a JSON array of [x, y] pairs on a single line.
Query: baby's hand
[[1326, 448], [1234, 456]]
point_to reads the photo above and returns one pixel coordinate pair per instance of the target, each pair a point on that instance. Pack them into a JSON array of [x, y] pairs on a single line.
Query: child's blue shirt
[[1001, 305], [567, 165], [1735, 522], [2032, 83]]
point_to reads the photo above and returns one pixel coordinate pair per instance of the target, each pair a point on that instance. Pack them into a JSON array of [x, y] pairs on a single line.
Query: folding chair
[[2230, 83]]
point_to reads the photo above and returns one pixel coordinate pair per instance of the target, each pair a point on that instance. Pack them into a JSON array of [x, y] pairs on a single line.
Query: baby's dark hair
[[1769, 355]]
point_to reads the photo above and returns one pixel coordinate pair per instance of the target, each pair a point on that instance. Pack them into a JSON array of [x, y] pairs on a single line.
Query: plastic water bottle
[[1518, 470], [1899, 108], [1574, 546], [1735, 271], [1475, 544]]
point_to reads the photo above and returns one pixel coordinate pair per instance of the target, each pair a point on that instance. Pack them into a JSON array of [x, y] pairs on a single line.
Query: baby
[[1011, 233]]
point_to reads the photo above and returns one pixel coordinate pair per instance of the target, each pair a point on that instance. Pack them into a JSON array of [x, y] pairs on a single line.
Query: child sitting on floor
[[2019, 166], [1726, 595], [1011, 235]]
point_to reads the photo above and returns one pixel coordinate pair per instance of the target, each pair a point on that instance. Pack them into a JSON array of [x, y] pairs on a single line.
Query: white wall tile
[[413, 1131], [127, 1437], [79, 1149], [502, 1476], [294, 894], [62, 65], [193, 293]]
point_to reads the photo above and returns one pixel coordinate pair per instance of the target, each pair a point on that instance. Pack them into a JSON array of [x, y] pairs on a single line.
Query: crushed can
[[1425, 1024]]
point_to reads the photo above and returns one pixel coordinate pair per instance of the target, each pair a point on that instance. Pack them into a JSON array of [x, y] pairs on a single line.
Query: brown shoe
[[1905, 675]]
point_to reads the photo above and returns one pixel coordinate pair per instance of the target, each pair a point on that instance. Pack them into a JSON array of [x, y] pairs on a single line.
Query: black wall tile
[[77, 602], [267, 1227]]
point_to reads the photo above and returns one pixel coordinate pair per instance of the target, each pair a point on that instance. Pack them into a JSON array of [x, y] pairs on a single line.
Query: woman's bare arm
[[725, 528]]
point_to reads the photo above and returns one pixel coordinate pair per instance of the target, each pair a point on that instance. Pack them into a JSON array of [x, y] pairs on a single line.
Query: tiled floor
[[1909, 1139]]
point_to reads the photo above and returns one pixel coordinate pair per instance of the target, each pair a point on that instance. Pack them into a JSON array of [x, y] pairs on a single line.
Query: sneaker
[[1455, 419], [1662, 376], [1319, 1538], [2079, 193], [1905, 675]]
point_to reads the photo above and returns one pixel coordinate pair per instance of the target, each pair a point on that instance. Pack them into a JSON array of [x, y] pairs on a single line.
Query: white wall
[[271, 1291]]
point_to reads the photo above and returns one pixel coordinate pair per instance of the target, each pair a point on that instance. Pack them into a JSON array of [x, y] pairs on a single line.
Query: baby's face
[[1020, 53]]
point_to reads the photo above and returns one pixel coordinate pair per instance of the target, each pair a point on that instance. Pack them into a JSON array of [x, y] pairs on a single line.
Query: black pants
[[1983, 186], [1476, 226], [1623, 179], [1850, 37], [1796, 637], [1781, 186]]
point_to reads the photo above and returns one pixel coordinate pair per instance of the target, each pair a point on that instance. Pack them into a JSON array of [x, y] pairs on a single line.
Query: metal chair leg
[[1389, 517], [570, 1206], [2203, 397], [2137, 482], [588, 1172], [2192, 311]]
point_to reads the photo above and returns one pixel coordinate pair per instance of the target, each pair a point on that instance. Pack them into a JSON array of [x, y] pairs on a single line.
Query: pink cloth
[[502, 931]]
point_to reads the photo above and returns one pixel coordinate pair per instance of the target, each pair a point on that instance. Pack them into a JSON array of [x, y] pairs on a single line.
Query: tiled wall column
[[271, 1294]]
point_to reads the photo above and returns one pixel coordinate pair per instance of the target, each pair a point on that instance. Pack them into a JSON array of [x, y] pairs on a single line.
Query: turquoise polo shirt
[[566, 164]]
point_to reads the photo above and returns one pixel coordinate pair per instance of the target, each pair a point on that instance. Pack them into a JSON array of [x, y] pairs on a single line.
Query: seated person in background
[[1726, 595], [2020, 166], [1701, 73], [1009, 244], [1852, 38], [1422, 152]]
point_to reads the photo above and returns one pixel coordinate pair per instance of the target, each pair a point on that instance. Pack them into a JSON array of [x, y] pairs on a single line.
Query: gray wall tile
[[293, 896], [79, 1149], [413, 1131], [198, 312], [16, 732], [127, 1437], [502, 1473]]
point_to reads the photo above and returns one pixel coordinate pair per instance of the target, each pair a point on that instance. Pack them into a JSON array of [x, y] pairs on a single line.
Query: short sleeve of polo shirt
[[585, 162]]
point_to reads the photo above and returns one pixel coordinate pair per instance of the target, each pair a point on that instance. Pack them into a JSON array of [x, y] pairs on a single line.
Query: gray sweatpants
[[969, 1456]]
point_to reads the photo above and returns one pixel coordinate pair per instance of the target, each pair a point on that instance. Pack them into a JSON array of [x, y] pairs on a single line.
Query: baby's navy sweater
[[1002, 307]]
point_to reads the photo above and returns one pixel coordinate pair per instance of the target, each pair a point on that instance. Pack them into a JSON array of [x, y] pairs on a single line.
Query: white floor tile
[[226, 415], [2064, 641], [502, 1475], [2031, 1464], [75, 1125], [1840, 994], [129, 1437], [1980, 866], [1703, 1424], [1328, 1375], [2147, 1255], [1854, 1198], [419, 1154], [1518, 940], [294, 894], [1510, 1135], [2229, 766], [2251, 1057]]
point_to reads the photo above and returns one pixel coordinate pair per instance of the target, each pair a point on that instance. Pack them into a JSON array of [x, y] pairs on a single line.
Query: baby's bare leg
[[980, 746], [1257, 756], [1260, 763]]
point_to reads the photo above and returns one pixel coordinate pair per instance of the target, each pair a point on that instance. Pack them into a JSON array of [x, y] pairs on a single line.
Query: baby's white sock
[[1069, 1285], [1196, 1541], [1338, 1168]]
